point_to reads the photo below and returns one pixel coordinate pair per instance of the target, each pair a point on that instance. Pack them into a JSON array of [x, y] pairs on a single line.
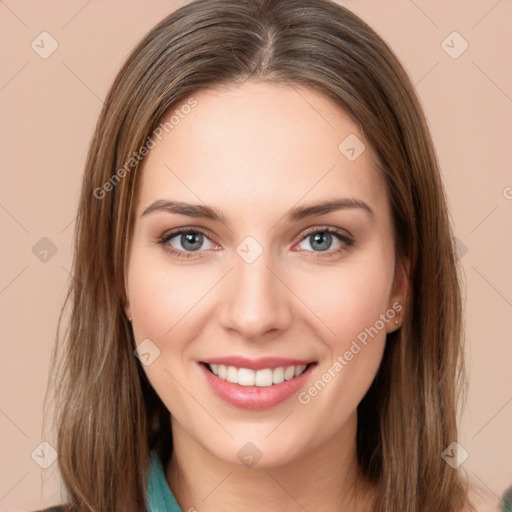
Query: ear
[[399, 292], [126, 302], [127, 310]]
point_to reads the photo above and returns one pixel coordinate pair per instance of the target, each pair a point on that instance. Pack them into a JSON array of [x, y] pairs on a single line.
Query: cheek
[[161, 297], [352, 297], [162, 302], [354, 302]]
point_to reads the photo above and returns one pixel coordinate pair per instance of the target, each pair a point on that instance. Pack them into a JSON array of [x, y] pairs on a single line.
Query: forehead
[[259, 145]]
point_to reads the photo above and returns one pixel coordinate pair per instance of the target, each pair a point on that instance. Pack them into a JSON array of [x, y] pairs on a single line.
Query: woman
[[265, 310]]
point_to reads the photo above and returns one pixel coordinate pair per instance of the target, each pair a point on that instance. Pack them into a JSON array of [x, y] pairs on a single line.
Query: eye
[[184, 242], [320, 240]]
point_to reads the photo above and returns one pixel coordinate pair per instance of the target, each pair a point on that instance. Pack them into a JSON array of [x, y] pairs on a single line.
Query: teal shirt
[[506, 501], [160, 497]]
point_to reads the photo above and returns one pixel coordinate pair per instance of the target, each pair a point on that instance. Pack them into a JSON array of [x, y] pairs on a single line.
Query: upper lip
[[256, 364]]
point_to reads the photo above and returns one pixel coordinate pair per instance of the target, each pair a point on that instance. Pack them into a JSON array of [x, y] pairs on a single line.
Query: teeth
[[278, 375], [246, 377], [261, 378], [232, 374], [289, 373]]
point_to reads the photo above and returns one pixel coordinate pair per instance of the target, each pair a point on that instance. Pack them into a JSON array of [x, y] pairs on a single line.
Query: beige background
[[48, 111]]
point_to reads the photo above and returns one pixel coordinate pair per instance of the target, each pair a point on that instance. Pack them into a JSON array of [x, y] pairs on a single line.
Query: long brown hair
[[108, 417]]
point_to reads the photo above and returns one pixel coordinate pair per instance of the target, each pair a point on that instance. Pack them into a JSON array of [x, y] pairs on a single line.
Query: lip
[[255, 397], [256, 364]]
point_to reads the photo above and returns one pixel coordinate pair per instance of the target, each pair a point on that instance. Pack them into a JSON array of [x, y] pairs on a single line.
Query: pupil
[[327, 239], [190, 238]]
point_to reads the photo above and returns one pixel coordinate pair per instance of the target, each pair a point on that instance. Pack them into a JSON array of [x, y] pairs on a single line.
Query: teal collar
[[160, 497]]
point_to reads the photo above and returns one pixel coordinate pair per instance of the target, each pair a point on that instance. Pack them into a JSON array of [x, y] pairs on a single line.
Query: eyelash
[[162, 240]]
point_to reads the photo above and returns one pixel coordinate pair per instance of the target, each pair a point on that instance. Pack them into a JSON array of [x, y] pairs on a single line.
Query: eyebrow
[[294, 214]]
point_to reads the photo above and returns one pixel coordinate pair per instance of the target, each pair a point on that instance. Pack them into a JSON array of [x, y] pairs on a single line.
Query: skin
[[255, 151]]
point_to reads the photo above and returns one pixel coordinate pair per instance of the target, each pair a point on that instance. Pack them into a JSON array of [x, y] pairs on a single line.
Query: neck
[[321, 479]]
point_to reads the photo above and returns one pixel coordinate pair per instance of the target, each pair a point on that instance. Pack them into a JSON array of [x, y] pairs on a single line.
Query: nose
[[256, 300]]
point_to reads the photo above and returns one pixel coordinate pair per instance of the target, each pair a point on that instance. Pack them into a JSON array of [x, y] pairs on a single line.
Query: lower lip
[[255, 397]]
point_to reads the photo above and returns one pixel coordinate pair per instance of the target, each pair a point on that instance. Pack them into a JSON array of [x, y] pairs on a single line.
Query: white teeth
[[232, 374], [261, 378], [299, 369], [278, 375], [246, 377], [289, 373]]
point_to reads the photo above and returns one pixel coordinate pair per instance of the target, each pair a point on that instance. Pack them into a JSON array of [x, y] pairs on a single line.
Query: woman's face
[[275, 284]]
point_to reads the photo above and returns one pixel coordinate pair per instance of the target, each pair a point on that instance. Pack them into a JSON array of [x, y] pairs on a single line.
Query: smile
[[261, 378], [268, 383]]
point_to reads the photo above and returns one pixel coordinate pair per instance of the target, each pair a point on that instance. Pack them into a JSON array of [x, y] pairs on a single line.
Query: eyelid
[[331, 229], [177, 231], [342, 235]]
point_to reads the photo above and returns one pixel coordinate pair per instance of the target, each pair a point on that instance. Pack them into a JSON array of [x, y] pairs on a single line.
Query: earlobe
[[395, 324], [400, 292], [127, 311]]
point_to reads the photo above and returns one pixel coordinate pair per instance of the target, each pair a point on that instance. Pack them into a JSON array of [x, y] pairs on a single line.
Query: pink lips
[[255, 397]]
